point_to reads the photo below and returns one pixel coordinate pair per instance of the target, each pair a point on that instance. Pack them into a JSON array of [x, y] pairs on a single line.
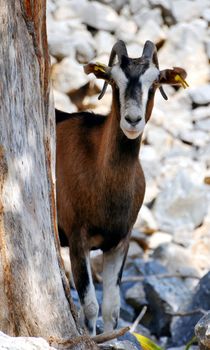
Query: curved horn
[[119, 50], [150, 52]]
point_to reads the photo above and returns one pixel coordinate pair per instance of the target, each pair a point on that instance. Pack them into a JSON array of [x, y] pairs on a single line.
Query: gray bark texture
[[34, 297]]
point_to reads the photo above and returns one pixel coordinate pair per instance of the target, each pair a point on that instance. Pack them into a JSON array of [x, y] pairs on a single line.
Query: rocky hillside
[[175, 219]]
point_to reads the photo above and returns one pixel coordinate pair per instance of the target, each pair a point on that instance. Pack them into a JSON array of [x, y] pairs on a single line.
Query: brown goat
[[100, 182]]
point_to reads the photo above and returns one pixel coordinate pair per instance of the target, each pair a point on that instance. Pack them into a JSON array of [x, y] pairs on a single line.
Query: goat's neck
[[117, 149]]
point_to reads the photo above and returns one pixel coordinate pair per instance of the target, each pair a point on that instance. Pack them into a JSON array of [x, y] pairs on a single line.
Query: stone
[[135, 296], [156, 136], [126, 29], [104, 43], [186, 10], [68, 75], [202, 331], [164, 296], [183, 41], [176, 207], [135, 251], [200, 113], [100, 16], [145, 14], [177, 259], [23, 343], [200, 95], [145, 221], [63, 102], [123, 345], [158, 238], [182, 328], [204, 125], [151, 30], [197, 138]]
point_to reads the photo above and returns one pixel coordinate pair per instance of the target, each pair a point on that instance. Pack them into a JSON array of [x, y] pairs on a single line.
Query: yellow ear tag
[[100, 66], [183, 82]]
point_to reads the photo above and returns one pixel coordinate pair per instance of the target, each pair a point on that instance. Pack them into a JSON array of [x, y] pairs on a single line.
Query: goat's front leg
[[112, 272], [80, 262]]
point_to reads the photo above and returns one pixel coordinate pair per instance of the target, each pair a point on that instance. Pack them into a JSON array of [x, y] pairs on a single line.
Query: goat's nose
[[131, 121]]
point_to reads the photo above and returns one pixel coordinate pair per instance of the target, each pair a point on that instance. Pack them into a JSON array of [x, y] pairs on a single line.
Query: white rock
[[104, 43], [145, 14], [185, 48], [201, 94], [151, 30], [177, 259], [196, 137], [69, 38], [126, 29], [203, 124], [150, 162], [158, 238], [68, 75], [182, 204], [200, 113], [145, 221], [23, 343], [186, 10], [159, 138], [100, 16], [136, 5], [134, 251], [63, 102]]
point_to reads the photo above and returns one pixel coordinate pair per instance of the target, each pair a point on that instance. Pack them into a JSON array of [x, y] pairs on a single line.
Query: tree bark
[[34, 297]]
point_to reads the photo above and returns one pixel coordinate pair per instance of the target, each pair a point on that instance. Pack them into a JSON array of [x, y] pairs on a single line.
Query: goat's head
[[137, 80]]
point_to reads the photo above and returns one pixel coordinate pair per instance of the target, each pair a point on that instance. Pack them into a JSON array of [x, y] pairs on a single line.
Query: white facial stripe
[[149, 76], [119, 77]]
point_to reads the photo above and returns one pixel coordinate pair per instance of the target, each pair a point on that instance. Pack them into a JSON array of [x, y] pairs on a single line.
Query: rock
[[123, 345], [151, 30], [184, 40], [176, 207], [146, 14], [156, 136], [104, 43], [68, 75], [136, 5], [63, 102], [200, 95], [158, 238], [182, 328], [145, 221], [135, 251], [100, 16], [23, 343], [186, 10], [127, 313], [126, 29], [164, 296], [197, 138], [135, 296], [176, 259], [204, 125], [202, 331], [129, 337], [69, 38], [200, 113]]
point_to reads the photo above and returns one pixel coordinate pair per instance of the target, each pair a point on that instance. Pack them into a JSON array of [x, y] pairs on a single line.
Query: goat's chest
[[115, 213]]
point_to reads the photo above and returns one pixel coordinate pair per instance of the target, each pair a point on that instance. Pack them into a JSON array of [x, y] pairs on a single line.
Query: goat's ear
[[100, 70], [175, 76]]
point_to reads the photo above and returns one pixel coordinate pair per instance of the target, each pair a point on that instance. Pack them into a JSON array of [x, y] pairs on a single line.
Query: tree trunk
[[33, 294]]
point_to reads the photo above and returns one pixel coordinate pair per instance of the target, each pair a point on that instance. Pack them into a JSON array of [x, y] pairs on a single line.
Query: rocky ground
[[174, 222]]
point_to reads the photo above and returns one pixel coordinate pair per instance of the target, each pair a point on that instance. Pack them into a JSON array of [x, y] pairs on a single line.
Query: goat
[[100, 182]]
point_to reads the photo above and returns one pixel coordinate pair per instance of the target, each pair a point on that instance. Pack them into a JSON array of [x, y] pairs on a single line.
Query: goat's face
[[136, 80]]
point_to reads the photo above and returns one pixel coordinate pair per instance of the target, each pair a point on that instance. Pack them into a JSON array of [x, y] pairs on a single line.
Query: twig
[[159, 276], [102, 338], [187, 313], [138, 319]]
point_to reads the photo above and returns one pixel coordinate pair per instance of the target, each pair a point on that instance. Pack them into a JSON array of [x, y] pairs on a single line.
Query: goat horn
[[119, 49], [150, 52]]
